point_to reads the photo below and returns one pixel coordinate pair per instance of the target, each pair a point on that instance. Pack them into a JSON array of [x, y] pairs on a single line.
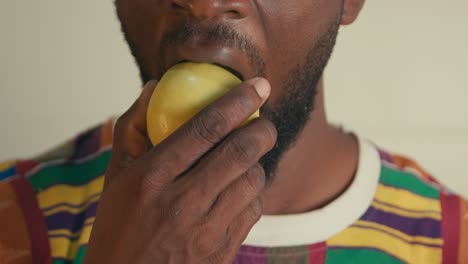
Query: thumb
[[130, 134]]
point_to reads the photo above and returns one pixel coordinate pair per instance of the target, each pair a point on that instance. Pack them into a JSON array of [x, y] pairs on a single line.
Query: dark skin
[[164, 205]]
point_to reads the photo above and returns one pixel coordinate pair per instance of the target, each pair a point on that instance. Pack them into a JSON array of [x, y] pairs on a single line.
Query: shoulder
[[56, 193], [406, 185], [85, 146]]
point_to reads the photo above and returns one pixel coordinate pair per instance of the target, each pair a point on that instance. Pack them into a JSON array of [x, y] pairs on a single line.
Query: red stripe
[[24, 166], [35, 222], [317, 253], [450, 227]]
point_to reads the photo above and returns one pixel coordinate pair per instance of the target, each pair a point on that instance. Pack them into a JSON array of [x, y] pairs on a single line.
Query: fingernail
[[262, 87]]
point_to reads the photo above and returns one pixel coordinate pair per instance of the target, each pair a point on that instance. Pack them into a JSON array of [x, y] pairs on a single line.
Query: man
[[286, 188]]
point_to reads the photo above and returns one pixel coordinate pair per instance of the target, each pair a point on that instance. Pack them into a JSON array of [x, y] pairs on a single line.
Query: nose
[[208, 9]]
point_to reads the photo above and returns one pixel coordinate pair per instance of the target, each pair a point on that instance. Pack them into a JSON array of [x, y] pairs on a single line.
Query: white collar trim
[[321, 224]]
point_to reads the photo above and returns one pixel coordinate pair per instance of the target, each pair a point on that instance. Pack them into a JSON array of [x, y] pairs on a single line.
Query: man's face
[[286, 41]]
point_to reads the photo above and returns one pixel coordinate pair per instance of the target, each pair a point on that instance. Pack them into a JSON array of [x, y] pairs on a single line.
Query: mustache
[[217, 33]]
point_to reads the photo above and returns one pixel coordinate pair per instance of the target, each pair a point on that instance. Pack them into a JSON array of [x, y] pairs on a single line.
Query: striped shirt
[[393, 212]]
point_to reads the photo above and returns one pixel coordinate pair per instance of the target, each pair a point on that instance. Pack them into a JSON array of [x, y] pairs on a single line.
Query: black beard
[[292, 112]]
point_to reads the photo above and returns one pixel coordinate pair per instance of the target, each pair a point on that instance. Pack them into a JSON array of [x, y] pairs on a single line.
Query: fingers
[[187, 144], [232, 158], [237, 232], [238, 209], [239, 195], [130, 141]]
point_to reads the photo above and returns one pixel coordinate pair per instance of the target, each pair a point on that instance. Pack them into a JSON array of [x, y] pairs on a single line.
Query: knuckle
[[153, 175], [206, 241], [150, 187], [159, 166], [226, 239], [227, 247], [271, 133], [243, 148], [210, 126], [125, 125], [258, 170], [255, 210], [179, 231], [139, 104], [174, 207], [255, 179], [122, 123], [170, 209], [248, 99], [186, 206], [172, 219]]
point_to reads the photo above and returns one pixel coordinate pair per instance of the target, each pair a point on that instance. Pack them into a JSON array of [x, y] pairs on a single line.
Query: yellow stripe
[[63, 248], [85, 235], [398, 211], [64, 232], [70, 194], [359, 237], [406, 199], [72, 210], [418, 239], [89, 220], [6, 165]]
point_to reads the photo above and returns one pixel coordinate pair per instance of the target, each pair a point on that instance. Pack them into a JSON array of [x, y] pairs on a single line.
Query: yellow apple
[[182, 92]]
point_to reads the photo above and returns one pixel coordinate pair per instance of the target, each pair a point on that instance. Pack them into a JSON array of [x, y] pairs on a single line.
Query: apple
[[182, 92]]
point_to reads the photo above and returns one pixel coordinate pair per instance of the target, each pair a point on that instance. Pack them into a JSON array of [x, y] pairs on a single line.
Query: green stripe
[[298, 255], [407, 181], [360, 255], [80, 255], [59, 261], [71, 174]]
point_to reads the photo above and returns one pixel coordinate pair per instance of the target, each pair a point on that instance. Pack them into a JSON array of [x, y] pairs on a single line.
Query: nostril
[[181, 5], [233, 14], [176, 6], [204, 9]]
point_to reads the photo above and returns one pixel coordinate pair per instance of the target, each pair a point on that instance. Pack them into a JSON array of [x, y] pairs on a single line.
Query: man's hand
[[195, 196]]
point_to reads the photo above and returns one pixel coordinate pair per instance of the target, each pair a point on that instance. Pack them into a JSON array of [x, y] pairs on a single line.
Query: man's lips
[[230, 59]]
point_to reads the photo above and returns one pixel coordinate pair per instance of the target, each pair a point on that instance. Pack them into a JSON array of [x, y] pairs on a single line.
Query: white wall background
[[398, 76]]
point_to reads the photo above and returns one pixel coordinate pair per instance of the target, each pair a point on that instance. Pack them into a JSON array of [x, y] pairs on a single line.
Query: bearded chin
[[292, 112]]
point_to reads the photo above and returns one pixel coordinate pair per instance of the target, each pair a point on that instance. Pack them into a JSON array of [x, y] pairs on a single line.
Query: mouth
[[227, 58], [227, 68]]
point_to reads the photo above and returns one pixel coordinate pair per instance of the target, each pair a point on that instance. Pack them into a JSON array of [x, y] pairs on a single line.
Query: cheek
[[140, 20], [291, 31]]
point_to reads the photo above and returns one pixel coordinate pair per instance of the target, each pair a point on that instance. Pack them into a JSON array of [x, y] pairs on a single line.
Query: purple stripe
[[72, 205], [407, 210], [427, 227], [398, 237], [251, 255], [72, 222], [87, 143], [385, 156]]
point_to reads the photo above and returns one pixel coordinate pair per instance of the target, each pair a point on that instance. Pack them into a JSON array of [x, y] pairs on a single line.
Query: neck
[[316, 169]]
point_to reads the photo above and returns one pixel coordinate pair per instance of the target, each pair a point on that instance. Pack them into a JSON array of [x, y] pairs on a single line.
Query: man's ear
[[351, 10]]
